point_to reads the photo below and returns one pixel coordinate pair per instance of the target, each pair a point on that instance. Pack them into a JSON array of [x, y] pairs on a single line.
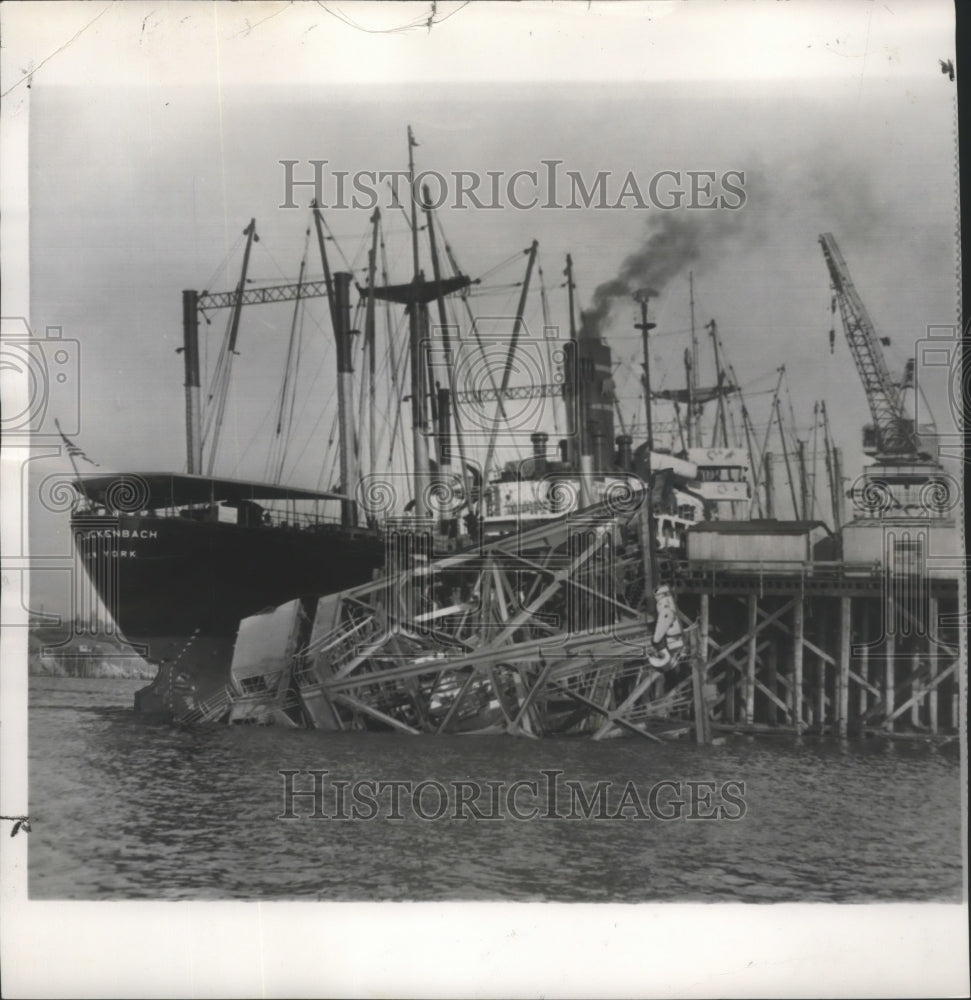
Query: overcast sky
[[156, 134]]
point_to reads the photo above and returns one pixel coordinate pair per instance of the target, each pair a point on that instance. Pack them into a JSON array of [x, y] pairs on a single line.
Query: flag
[[73, 451]]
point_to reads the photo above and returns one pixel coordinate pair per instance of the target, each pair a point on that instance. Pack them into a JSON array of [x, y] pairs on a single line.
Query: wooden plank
[[864, 686], [920, 691], [771, 686], [774, 698], [736, 643]]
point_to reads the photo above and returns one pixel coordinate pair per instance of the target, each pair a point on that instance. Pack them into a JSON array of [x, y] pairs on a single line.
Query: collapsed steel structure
[[562, 628]]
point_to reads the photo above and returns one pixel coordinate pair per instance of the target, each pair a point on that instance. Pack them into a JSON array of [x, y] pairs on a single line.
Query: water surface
[[122, 809]]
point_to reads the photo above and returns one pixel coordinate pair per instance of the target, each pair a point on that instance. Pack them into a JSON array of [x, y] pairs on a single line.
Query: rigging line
[[324, 360], [293, 399], [267, 413], [398, 380], [224, 264], [328, 454], [278, 446], [361, 247], [547, 326], [498, 267], [360, 435], [792, 412], [311, 438], [332, 472], [391, 332], [812, 508], [479, 292], [353, 236], [401, 208], [336, 242]]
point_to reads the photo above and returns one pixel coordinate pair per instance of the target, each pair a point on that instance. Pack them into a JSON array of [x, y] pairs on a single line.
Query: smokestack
[[625, 455], [586, 481], [539, 440]]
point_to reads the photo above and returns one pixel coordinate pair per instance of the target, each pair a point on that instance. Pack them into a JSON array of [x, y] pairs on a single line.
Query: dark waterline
[[121, 809]]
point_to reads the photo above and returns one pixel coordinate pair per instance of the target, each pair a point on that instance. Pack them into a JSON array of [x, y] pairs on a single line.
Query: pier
[[828, 652]]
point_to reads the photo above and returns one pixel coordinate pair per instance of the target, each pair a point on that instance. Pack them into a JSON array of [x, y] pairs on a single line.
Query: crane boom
[[894, 433]]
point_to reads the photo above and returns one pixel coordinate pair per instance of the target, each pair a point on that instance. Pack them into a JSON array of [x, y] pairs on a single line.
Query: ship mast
[[319, 225], [447, 405], [193, 401], [418, 427], [369, 337], [511, 353], [643, 297], [692, 383], [230, 348], [345, 400]]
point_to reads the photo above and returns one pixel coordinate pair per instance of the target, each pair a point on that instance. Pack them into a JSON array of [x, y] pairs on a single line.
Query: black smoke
[[676, 241]]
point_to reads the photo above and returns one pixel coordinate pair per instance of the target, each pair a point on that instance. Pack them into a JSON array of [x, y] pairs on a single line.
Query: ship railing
[[348, 635], [210, 709], [297, 521]]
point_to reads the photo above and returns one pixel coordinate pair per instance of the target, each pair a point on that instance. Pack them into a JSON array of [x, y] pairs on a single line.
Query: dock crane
[[904, 501], [891, 437]]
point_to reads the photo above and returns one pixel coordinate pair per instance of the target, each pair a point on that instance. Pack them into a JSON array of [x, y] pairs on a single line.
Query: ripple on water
[[128, 810]]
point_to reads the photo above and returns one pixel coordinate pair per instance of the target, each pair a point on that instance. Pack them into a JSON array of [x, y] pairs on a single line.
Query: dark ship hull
[[178, 583]]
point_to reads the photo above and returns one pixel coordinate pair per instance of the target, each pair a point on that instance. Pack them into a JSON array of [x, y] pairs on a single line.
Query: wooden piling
[[915, 689], [699, 663], [890, 652], [821, 673], [798, 627], [752, 658], [863, 609], [843, 678], [932, 702]]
